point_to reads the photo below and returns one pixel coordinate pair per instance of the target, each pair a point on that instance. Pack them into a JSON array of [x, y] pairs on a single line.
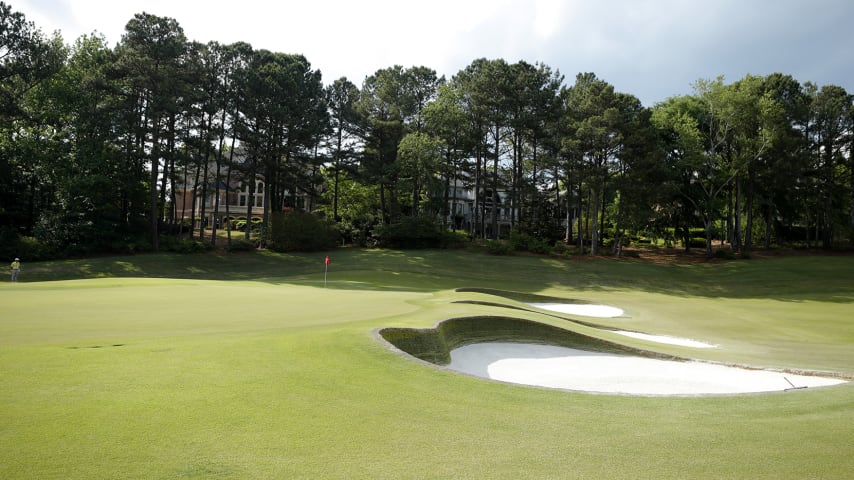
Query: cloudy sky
[[652, 49]]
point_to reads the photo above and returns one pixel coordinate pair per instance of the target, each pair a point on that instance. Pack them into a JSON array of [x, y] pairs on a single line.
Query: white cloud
[[653, 49]]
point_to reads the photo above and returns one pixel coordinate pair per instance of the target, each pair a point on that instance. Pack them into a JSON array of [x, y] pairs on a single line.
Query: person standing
[[16, 269]]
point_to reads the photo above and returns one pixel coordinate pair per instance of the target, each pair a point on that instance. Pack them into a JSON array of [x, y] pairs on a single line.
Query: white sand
[[559, 367], [601, 311], [605, 311], [685, 342]]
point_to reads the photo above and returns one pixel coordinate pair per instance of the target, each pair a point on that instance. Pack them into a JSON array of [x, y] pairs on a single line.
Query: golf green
[[246, 366]]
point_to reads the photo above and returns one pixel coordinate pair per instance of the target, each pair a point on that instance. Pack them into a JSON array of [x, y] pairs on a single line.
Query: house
[[463, 216], [236, 200], [209, 202]]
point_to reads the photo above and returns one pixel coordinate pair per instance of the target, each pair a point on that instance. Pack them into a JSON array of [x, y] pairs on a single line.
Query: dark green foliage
[[724, 254], [28, 248], [241, 246], [80, 127], [498, 247], [453, 240], [697, 242], [186, 245], [240, 225], [9, 240], [561, 248], [301, 232], [524, 242], [410, 232]]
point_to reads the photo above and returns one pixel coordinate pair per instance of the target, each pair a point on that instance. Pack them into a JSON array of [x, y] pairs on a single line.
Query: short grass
[[246, 366]]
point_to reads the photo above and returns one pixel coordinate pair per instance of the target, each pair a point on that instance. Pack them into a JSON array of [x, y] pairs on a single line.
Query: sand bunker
[[685, 342], [600, 311], [565, 368], [604, 311]]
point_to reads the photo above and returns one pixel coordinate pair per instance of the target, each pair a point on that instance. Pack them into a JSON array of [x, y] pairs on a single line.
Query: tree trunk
[[748, 229], [851, 203], [617, 248], [495, 185], [568, 236], [768, 226], [337, 174], [729, 235], [594, 207], [250, 198], [737, 239], [446, 210], [203, 210], [477, 196], [169, 179], [580, 216], [154, 210], [707, 223], [168, 166], [216, 179], [383, 209], [195, 200]]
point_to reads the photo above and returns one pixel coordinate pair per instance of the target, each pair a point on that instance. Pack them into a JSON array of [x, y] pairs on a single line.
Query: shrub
[[560, 247], [32, 249], [240, 224], [457, 239], [410, 232], [240, 246], [183, 245], [697, 242], [301, 232], [498, 247], [524, 242], [724, 254]]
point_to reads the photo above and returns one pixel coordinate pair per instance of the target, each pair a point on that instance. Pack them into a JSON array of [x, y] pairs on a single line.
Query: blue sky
[[652, 49]]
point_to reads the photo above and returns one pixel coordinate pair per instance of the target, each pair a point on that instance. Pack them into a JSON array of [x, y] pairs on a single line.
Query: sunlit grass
[[245, 366]]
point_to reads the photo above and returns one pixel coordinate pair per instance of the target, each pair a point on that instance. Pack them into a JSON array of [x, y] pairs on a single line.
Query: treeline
[[95, 141]]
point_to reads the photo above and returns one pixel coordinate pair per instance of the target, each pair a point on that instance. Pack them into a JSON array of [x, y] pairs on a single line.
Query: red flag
[[327, 259]]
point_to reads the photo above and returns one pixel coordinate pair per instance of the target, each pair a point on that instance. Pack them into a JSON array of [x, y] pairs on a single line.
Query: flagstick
[[325, 269]]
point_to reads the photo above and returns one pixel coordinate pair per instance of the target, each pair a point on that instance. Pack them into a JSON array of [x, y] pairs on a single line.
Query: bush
[[560, 247], [183, 245], [410, 232], [241, 223], [301, 232], [240, 246], [28, 248], [724, 254], [498, 247], [697, 242], [523, 242], [457, 239]]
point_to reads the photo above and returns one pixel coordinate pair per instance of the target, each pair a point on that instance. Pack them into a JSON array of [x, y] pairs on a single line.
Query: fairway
[[246, 366]]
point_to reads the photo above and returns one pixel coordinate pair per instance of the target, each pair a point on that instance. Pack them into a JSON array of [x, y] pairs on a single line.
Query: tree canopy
[[98, 142]]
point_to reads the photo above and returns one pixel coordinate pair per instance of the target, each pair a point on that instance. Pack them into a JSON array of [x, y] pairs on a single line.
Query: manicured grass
[[245, 366]]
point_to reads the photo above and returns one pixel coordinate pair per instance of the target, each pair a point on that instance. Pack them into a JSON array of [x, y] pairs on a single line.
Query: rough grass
[[245, 366]]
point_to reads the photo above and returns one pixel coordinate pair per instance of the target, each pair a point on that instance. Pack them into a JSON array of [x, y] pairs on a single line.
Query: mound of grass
[[435, 344]]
